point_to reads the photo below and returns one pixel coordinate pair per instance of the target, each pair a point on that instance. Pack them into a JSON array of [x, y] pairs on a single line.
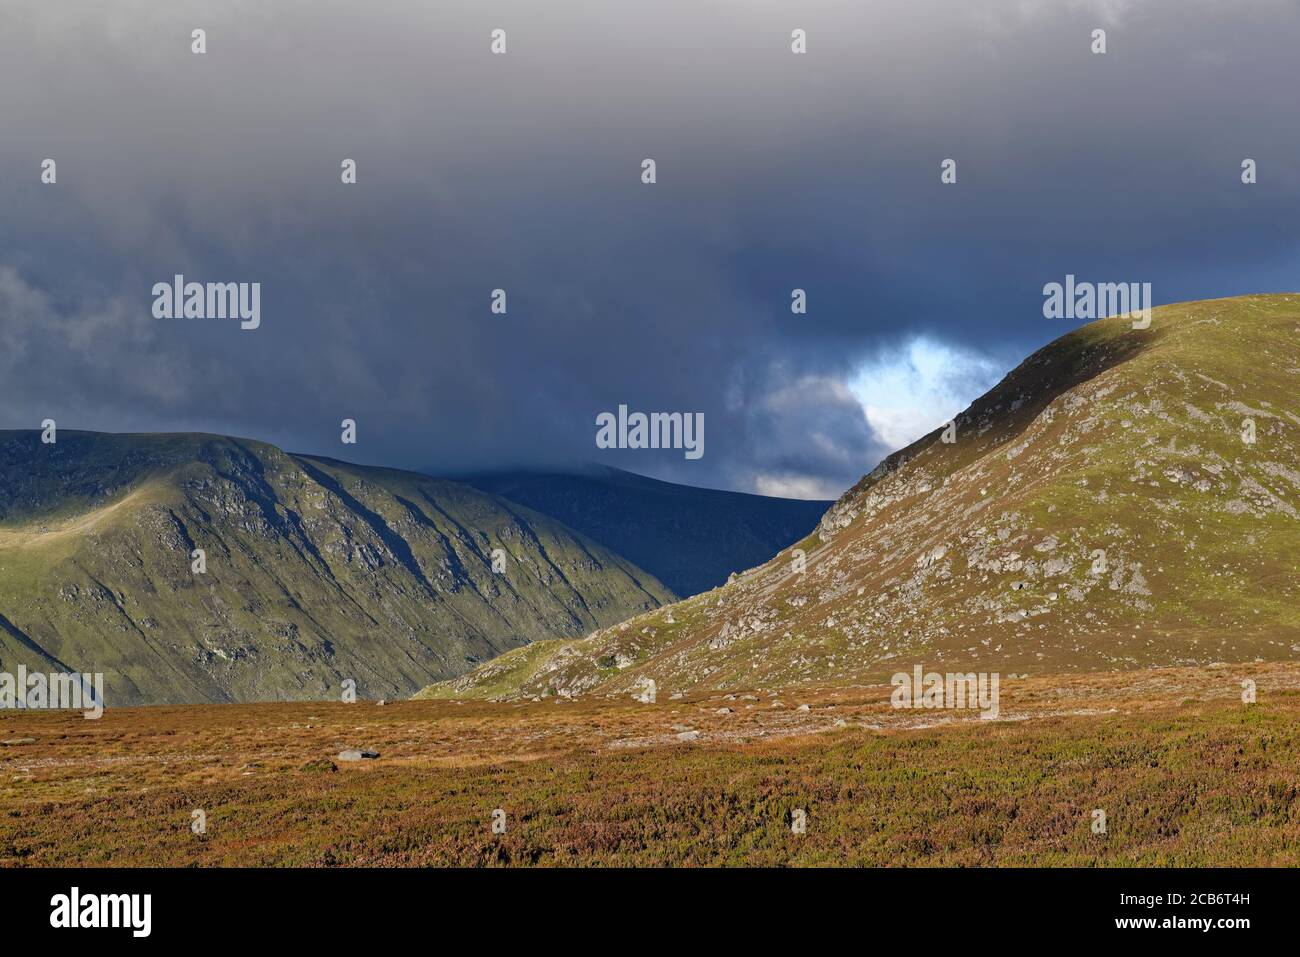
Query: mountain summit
[[1122, 499], [313, 571]]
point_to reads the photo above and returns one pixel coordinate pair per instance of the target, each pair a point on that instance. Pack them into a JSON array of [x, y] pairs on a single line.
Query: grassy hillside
[[317, 571], [691, 539], [1099, 509]]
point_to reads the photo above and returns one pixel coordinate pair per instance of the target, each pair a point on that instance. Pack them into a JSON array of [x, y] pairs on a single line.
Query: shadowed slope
[[691, 539]]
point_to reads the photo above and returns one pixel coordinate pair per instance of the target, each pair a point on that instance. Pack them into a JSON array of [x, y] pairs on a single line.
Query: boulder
[[357, 754]]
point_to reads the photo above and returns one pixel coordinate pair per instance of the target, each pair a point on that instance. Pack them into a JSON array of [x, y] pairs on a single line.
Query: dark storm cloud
[[522, 172]]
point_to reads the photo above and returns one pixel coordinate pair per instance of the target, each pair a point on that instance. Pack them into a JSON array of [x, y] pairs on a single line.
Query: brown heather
[[1186, 773]]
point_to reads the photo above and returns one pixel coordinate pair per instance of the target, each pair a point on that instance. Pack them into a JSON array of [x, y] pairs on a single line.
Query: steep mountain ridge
[[316, 571], [1124, 498]]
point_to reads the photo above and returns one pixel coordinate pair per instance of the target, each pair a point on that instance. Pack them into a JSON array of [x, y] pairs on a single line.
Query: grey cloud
[[477, 172]]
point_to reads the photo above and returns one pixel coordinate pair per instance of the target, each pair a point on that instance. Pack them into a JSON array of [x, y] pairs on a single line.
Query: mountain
[[317, 571], [691, 539], [1122, 499]]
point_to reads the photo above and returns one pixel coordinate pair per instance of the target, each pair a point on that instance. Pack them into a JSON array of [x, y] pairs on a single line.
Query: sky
[[522, 171]]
